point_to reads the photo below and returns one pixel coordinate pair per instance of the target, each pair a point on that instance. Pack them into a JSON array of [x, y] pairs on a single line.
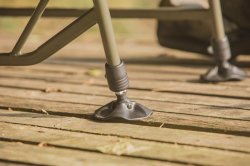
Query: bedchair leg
[[116, 74], [224, 70]]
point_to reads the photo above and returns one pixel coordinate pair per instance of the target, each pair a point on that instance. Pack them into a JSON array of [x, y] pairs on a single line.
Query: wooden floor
[[46, 112]]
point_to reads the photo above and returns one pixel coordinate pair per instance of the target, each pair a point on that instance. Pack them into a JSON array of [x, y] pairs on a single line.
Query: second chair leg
[[224, 70], [115, 73]]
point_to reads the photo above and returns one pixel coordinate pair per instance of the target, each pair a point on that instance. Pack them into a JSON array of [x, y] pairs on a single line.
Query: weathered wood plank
[[24, 153], [151, 95], [68, 68], [12, 163], [155, 105], [190, 121], [220, 91], [165, 73], [178, 72], [181, 77], [123, 130], [168, 120], [100, 91], [170, 76], [142, 149]]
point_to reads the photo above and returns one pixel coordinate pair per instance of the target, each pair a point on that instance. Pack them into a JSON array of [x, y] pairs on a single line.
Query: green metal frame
[[164, 13], [87, 18], [99, 14]]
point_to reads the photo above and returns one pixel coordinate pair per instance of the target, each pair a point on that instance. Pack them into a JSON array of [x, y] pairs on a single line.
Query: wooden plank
[[83, 109], [171, 97], [173, 73], [151, 76], [168, 72], [186, 71], [141, 149], [84, 89], [13, 163], [194, 122], [151, 63], [188, 111], [168, 76], [133, 131], [68, 68], [35, 155], [143, 51], [100, 91], [78, 65], [214, 90], [157, 119]]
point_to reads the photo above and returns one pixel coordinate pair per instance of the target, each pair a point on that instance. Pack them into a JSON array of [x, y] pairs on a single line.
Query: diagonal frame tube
[[164, 13], [61, 39], [29, 27]]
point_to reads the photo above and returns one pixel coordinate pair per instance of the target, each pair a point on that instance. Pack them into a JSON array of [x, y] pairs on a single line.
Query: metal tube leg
[[107, 32], [115, 73], [217, 19], [224, 71]]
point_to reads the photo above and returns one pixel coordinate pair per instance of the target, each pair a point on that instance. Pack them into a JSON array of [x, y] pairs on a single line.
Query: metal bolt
[[129, 106]]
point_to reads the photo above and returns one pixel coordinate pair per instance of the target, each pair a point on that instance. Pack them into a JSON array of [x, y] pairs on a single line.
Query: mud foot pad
[[122, 108], [231, 73]]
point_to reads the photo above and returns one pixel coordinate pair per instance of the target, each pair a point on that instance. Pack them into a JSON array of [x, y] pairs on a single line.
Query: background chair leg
[[224, 70], [115, 73]]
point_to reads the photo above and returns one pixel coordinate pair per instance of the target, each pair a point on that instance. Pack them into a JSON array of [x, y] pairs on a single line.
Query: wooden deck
[[46, 111]]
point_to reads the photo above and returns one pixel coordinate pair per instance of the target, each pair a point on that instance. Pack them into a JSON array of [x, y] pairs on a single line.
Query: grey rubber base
[[128, 110], [232, 73]]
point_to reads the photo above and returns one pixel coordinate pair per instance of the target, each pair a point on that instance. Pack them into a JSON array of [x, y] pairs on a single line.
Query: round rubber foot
[[231, 73], [128, 110]]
